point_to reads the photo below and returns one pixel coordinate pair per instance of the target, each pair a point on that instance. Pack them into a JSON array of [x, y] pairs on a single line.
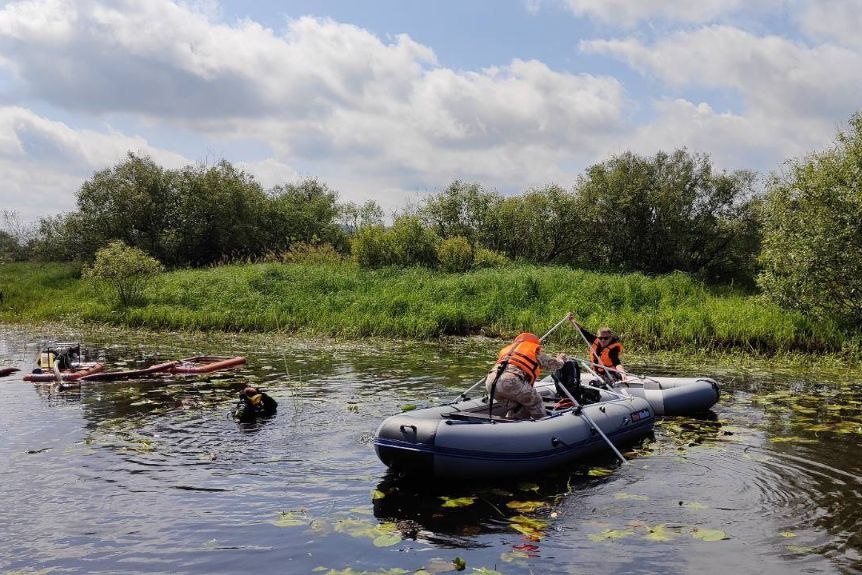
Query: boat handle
[[413, 427]]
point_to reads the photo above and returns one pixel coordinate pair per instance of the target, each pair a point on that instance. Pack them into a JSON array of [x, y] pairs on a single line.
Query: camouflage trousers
[[514, 391]]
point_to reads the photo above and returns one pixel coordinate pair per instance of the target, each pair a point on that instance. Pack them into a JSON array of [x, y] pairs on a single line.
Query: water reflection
[[153, 474]]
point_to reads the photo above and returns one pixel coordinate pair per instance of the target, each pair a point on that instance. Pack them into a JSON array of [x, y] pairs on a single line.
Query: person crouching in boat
[[516, 371], [252, 403], [605, 352]]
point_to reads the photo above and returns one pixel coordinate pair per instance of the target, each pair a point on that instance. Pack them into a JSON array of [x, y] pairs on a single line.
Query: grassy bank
[[340, 300]]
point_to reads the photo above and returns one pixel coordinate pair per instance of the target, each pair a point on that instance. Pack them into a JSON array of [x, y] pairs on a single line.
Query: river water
[[153, 476]]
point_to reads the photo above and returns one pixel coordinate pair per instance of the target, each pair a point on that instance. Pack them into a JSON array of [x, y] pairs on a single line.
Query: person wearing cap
[[518, 366], [605, 352]]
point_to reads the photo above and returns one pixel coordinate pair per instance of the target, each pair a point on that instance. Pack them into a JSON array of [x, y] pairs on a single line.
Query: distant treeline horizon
[[799, 240]]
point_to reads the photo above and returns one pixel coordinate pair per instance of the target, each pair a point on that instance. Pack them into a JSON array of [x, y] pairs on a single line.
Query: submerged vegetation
[[342, 300]]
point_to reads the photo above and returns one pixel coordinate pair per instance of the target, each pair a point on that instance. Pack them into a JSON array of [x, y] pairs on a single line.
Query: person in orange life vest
[[515, 384], [605, 350]]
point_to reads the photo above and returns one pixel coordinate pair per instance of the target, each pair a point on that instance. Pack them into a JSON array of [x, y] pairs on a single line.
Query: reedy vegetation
[[342, 300]]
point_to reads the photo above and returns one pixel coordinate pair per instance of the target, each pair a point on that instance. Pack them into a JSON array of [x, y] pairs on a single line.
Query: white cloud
[[835, 20], [774, 76], [733, 141], [44, 162], [321, 90], [630, 12]]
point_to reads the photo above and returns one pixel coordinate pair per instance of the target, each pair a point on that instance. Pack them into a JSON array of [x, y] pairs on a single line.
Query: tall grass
[[341, 300]]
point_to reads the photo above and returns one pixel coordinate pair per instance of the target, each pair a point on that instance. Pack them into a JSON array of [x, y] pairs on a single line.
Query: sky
[[392, 100]]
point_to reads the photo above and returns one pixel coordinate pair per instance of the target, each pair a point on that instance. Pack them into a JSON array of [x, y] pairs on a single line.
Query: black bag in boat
[[569, 377]]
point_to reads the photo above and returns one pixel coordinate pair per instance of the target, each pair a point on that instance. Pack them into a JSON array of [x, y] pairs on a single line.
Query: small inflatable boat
[[467, 440]]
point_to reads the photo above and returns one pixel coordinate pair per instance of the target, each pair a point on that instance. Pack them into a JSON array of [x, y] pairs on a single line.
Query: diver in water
[[253, 403]]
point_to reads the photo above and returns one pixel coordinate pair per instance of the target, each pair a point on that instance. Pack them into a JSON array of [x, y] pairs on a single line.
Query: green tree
[[221, 213], [134, 201], [355, 217], [307, 212], [461, 209], [669, 212], [455, 254], [542, 226], [125, 269], [369, 247], [812, 232], [412, 243]]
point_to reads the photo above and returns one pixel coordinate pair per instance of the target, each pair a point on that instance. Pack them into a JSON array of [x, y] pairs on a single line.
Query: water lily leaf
[[387, 540], [791, 438], [708, 534], [799, 549], [525, 506], [787, 534], [609, 534], [599, 472], [457, 501], [694, 505], [527, 486], [623, 496], [817, 427], [377, 494], [438, 565], [356, 528], [500, 492], [526, 531], [408, 407], [289, 519], [484, 571], [318, 527], [145, 446], [804, 410], [511, 556], [847, 427], [529, 522], [659, 533]]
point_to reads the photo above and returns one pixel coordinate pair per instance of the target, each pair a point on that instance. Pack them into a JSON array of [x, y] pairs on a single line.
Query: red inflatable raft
[[67, 375]]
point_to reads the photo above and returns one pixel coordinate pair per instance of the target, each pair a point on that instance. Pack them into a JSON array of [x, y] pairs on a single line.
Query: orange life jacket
[[523, 353], [604, 357]]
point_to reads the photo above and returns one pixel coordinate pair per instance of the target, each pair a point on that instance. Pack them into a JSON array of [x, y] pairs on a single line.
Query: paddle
[[579, 410], [463, 395]]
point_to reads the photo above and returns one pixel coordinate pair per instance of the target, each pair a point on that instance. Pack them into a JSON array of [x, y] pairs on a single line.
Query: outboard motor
[[61, 355]]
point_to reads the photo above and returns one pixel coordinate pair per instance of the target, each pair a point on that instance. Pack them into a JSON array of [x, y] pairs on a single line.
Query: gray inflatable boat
[[464, 440]]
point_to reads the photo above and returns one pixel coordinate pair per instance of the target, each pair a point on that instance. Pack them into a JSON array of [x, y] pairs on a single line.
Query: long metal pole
[[592, 423]]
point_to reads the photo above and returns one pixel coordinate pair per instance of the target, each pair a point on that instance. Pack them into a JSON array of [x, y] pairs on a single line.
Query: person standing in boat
[[605, 352], [516, 371]]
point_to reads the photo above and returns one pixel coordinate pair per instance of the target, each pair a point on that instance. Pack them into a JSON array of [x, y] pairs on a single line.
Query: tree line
[[799, 239]]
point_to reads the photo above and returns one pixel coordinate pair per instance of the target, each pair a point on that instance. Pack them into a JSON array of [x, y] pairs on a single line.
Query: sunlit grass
[[341, 300]]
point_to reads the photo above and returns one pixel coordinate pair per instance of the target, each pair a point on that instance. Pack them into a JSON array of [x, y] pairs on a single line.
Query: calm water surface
[[153, 476]]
